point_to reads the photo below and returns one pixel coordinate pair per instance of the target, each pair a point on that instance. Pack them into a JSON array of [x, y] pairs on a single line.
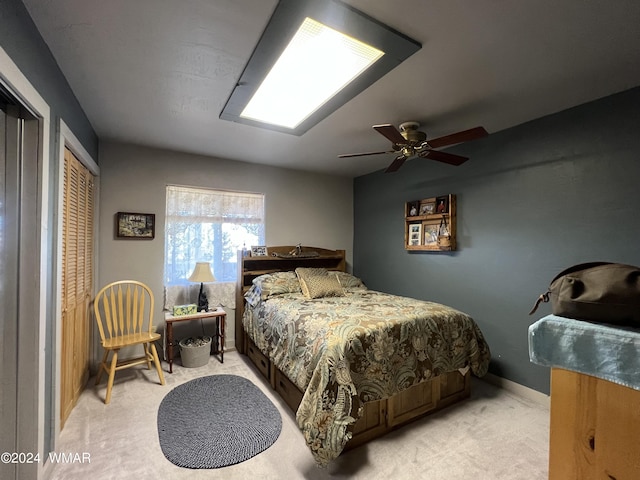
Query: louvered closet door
[[77, 280]]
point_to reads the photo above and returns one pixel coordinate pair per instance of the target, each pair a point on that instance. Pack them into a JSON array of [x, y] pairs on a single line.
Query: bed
[[353, 363]]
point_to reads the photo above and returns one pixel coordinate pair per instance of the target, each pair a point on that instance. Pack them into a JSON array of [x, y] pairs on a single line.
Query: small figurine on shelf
[[296, 251]]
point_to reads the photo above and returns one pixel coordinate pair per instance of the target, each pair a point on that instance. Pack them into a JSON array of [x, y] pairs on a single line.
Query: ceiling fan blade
[[348, 155], [391, 132], [444, 157], [396, 164], [464, 136]]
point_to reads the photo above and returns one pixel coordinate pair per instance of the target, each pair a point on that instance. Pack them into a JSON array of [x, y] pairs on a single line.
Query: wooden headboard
[[283, 261]]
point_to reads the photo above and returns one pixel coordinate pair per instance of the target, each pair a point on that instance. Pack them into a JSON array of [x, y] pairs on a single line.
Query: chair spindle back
[[124, 308]]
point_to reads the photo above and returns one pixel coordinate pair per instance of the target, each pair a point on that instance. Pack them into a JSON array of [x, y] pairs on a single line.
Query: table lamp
[[202, 273]]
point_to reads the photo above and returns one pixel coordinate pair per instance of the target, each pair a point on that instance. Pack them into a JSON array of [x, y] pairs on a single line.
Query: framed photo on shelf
[[415, 233], [431, 233], [135, 225], [259, 251], [442, 204], [412, 210], [428, 208]]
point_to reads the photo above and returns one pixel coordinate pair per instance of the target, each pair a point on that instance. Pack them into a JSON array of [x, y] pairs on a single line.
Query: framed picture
[[413, 209], [415, 233], [431, 233], [428, 208], [442, 204], [135, 225], [259, 251]]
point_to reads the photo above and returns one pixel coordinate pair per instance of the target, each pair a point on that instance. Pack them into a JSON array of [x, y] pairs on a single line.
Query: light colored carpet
[[493, 435]]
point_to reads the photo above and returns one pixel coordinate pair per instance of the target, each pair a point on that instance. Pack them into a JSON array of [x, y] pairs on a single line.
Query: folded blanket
[[600, 350]]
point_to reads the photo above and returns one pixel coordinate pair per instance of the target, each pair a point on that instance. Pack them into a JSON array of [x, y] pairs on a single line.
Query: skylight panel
[[318, 62], [312, 58]]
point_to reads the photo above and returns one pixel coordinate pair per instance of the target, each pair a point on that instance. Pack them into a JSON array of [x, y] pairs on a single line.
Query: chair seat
[[132, 339]]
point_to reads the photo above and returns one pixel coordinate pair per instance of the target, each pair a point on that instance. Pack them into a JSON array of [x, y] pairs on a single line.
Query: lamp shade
[[202, 273]]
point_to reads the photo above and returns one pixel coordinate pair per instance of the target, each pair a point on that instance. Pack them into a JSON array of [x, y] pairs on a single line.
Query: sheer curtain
[[204, 225]]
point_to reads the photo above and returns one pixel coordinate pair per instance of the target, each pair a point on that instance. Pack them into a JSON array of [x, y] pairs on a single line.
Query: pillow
[[348, 281], [307, 271], [278, 283], [317, 283], [253, 296]]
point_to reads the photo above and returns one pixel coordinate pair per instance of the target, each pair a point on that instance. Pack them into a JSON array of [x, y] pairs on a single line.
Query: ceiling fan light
[[407, 151]]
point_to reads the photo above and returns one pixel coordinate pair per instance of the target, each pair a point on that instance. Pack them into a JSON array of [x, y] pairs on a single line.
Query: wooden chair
[[124, 312]]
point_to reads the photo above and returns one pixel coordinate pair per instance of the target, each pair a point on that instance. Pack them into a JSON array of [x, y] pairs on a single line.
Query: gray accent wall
[[532, 200]]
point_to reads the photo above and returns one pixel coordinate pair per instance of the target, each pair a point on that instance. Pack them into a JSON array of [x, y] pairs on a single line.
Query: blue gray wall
[[20, 38], [22, 42], [532, 200]]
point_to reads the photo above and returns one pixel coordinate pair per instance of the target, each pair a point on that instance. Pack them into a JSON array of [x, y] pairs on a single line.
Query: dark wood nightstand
[[218, 342]]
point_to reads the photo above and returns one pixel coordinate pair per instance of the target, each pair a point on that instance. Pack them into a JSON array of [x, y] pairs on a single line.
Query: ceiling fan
[[409, 142]]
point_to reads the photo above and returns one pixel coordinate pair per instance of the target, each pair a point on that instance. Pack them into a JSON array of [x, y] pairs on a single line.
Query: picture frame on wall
[[415, 234], [259, 251], [132, 225], [431, 233], [442, 204]]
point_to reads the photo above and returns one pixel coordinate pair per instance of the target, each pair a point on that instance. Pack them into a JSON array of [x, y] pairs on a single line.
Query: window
[[204, 225]]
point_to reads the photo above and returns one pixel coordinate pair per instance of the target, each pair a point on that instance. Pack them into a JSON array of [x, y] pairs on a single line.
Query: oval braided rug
[[215, 421]]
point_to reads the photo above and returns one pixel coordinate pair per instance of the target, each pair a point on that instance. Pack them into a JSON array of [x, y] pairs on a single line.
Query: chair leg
[[156, 360], [112, 374], [103, 366], [147, 355]]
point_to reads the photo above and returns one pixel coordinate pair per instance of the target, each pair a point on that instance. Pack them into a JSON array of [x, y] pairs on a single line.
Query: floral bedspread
[[366, 345]]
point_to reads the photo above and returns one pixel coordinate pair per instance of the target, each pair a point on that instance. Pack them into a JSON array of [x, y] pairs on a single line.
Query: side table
[[217, 345]]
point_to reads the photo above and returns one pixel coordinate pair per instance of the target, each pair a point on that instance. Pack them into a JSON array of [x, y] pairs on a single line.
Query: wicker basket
[[195, 354]]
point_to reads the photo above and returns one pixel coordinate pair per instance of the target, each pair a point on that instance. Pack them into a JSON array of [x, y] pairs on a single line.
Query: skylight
[[300, 71], [318, 62]]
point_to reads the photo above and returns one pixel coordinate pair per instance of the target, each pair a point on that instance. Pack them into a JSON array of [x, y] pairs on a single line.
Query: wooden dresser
[[595, 428]]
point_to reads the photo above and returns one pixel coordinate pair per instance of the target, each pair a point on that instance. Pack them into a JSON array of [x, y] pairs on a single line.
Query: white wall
[[301, 207]]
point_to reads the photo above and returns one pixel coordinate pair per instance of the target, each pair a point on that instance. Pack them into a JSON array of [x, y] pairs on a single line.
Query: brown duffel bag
[[598, 292]]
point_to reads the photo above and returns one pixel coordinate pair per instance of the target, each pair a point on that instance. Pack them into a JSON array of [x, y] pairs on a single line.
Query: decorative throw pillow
[[317, 283], [253, 295], [278, 283], [348, 281]]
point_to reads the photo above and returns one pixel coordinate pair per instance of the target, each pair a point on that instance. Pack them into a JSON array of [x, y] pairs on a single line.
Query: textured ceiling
[[158, 72]]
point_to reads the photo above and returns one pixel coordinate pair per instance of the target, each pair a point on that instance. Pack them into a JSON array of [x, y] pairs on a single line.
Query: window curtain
[[199, 205], [211, 226]]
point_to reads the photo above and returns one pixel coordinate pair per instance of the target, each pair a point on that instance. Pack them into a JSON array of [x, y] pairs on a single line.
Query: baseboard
[[517, 389]]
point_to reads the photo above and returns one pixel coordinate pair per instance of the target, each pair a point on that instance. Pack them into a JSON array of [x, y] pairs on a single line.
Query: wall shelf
[[430, 224]]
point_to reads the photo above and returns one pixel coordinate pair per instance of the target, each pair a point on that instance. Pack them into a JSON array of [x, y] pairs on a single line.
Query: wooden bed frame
[[379, 416]]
